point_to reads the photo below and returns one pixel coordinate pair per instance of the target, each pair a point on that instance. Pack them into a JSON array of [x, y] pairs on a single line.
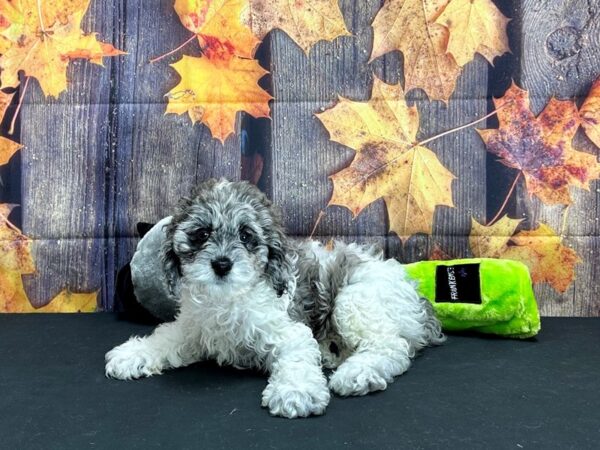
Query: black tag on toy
[[458, 284]]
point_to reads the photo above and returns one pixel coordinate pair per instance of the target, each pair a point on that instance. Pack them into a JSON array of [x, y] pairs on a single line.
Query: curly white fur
[[348, 309]]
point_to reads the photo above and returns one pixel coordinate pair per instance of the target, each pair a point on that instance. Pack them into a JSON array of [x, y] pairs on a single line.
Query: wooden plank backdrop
[[104, 156], [64, 159], [560, 58]]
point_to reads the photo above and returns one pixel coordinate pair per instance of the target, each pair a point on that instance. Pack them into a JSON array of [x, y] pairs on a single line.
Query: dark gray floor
[[470, 393]]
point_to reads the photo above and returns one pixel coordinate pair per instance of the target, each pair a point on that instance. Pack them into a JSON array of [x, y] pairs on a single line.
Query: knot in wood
[[563, 43]]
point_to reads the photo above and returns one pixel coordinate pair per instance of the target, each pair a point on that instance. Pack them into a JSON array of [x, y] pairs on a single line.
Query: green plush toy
[[485, 295]]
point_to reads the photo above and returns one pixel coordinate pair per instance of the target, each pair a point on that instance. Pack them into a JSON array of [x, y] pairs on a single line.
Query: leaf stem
[[462, 127], [433, 138], [16, 114], [39, 8], [158, 58], [319, 217], [512, 188]]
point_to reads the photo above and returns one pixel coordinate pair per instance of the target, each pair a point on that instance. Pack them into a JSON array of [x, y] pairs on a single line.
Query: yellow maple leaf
[[43, 39], [305, 21], [7, 149], [15, 261], [491, 241], [540, 249], [213, 90], [13, 298], [590, 113], [15, 248], [409, 26], [223, 21], [476, 26], [5, 100], [388, 163]]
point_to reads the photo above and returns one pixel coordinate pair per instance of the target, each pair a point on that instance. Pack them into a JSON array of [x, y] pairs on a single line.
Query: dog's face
[[225, 237]]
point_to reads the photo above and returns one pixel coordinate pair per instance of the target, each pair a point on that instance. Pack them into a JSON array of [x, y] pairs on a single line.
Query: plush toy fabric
[[150, 284], [485, 295]]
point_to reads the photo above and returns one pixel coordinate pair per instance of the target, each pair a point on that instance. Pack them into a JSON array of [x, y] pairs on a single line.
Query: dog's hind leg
[[371, 367], [383, 322], [169, 346]]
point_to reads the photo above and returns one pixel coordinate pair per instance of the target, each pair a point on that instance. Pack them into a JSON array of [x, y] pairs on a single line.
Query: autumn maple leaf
[[389, 164], [42, 38], [213, 90], [475, 26], [305, 21], [540, 147], [437, 38], [540, 249], [219, 22], [16, 260], [590, 113], [7, 147], [409, 26]]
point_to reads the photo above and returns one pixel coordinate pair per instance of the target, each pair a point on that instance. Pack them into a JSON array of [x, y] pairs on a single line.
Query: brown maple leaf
[[41, 39], [305, 21], [540, 249], [214, 89], [540, 147], [590, 113], [389, 164], [221, 23], [475, 26]]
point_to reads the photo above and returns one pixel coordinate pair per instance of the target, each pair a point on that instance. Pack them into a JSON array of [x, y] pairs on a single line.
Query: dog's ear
[[171, 262], [281, 262], [280, 269]]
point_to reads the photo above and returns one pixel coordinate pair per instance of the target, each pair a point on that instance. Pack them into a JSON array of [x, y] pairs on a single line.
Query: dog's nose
[[221, 266]]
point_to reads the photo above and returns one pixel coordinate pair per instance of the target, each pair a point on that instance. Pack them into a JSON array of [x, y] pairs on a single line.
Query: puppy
[[250, 297]]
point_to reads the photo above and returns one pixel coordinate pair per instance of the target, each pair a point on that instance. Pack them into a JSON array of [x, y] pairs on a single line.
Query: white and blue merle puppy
[[248, 296]]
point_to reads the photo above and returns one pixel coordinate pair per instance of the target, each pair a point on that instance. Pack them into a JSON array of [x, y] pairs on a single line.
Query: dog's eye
[[202, 235], [245, 236]]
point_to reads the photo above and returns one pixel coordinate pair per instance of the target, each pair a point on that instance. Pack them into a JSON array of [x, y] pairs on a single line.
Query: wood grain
[[302, 156], [64, 159], [158, 157], [560, 54]]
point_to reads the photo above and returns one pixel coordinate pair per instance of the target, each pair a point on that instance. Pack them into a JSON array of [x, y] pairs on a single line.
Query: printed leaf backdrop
[[431, 128]]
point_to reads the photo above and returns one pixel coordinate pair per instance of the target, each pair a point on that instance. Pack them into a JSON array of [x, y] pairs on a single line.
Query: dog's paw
[[291, 401], [356, 379], [130, 361]]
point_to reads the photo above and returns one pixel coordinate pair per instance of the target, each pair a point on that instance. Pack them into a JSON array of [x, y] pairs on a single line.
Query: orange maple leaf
[[305, 21], [7, 149], [389, 164], [41, 39], [213, 90], [590, 113], [476, 26], [221, 23], [541, 147], [540, 249]]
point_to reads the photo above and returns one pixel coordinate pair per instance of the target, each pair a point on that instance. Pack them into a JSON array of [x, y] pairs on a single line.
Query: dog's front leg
[[171, 345], [297, 386]]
